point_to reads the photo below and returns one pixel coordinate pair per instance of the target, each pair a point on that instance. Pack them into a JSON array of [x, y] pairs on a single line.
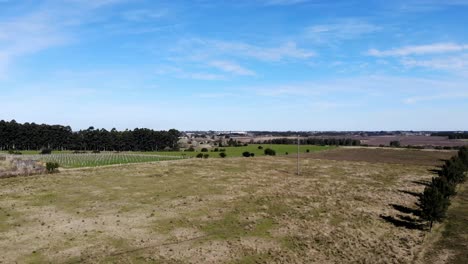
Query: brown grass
[[213, 211]]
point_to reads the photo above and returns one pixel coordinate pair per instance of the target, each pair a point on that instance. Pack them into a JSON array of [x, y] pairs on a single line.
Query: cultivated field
[[239, 210]]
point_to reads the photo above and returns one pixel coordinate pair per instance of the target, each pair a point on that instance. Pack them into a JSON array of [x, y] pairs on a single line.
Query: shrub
[[287, 153], [51, 167], [222, 154], [216, 149], [46, 151], [395, 144], [204, 150], [14, 152], [270, 152], [245, 145], [246, 154], [252, 154], [191, 149], [308, 150], [260, 147], [199, 155], [206, 156], [96, 151], [222, 150]]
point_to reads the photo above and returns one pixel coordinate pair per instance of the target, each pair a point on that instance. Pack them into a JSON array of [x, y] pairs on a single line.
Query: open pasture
[[237, 210]]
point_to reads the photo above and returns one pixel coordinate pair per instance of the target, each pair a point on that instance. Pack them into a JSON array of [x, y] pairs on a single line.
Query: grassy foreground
[[235, 210]]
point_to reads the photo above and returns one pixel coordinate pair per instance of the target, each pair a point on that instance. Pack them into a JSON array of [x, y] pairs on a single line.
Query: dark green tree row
[[435, 199], [30, 136], [316, 141], [451, 135]]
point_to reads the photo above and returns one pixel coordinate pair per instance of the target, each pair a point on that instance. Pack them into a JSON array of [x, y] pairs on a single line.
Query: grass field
[[235, 210], [67, 159]]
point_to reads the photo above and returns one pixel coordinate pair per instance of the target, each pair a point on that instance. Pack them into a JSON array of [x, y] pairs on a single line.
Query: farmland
[[67, 159], [237, 210]]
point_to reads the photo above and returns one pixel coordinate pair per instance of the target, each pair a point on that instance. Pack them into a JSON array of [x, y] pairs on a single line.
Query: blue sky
[[236, 65]]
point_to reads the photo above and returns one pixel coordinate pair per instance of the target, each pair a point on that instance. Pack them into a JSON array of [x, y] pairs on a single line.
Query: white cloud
[[142, 15], [435, 48], [341, 30], [285, 2], [183, 74], [435, 97], [452, 63], [231, 67], [202, 49]]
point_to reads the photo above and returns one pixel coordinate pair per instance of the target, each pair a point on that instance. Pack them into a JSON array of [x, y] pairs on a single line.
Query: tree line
[[315, 141], [31, 136], [435, 199], [451, 135]]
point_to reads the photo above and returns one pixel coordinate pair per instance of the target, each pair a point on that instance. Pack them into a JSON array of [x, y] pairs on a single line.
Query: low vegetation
[[218, 211]]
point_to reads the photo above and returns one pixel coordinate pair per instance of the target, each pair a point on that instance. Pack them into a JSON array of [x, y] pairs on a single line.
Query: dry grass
[[212, 211]]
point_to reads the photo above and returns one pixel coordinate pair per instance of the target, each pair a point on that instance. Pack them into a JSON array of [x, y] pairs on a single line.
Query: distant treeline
[[316, 141], [30, 136], [451, 135]]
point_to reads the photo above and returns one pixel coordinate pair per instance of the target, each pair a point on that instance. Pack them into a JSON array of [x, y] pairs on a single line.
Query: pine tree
[[433, 205]]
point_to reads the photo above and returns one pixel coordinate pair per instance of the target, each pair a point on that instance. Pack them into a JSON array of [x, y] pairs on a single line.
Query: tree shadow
[[406, 210], [415, 194], [403, 221], [421, 182]]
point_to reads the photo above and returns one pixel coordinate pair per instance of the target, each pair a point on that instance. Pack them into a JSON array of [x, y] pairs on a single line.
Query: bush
[[14, 152], [216, 149], [191, 149], [46, 151], [246, 154], [222, 154], [252, 154], [204, 150], [395, 144], [270, 152], [260, 147], [206, 156], [51, 167], [199, 155], [287, 153], [308, 150], [222, 150], [96, 151]]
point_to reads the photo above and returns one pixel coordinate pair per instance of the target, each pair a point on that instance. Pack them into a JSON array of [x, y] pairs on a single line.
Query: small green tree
[[260, 147], [252, 154], [206, 156], [204, 150], [222, 155], [52, 167], [433, 205], [199, 155], [246, 154], [395, 144], [270, 152]]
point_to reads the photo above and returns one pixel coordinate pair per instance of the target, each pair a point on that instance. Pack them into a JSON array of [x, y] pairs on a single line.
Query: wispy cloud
[[419, 50], [340, 30], [285, 2], [143, 15], [231, 67], [452, 63], [184, 74], [435, 97], [206, 48]]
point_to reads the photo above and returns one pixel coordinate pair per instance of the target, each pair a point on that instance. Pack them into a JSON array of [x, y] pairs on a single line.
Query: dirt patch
[[381, 155]]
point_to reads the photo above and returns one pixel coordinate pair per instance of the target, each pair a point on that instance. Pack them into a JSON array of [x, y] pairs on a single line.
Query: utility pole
[[298, 171]]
